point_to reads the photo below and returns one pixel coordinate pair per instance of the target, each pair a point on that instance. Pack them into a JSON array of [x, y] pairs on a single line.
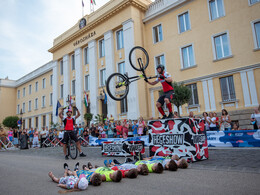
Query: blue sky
[[27, 30]]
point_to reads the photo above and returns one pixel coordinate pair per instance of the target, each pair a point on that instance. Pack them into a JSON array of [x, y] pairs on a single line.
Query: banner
[[94, 141], [122, 148], [241, 138], [184, 137]]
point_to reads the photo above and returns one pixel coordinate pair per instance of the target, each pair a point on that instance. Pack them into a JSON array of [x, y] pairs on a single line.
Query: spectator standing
[[106, 128], [206, 119], [212, 122], [80, 130], [134, 128], [92, 130], [43, 136], [217, 119], [76, 129], [225, 120], [175, 114], [86, 135], [125, 129], [61, 134], [31, 136], [16, 137], [110, 130], [236, 127], [36, 139], [119, 129], [191, 115], [10, 134], [255, 119], [141, 125], [97, 130], [102, 132], [130, 130]]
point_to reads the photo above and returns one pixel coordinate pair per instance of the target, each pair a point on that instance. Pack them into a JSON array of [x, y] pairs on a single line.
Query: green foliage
[[182, 95], [88, 117], [99, 118], [11, 121], [54, 125]]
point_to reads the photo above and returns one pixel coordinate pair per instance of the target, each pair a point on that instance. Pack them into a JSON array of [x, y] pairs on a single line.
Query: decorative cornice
[[105, 16]]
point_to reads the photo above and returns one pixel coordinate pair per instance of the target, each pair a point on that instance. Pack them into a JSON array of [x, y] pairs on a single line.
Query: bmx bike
[[117, 84]]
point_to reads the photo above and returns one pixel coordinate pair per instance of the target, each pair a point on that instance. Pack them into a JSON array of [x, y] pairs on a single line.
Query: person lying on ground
[[181, 163], [70, 180]]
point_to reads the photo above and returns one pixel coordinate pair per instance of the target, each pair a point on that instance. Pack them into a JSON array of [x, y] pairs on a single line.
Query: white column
[[129, 43], [245, 89], [252, 87], [206, 95], [32, 122], [79, 84], [176, 109], [39, 122], [93, 77], [66, 78], [110, 68], [26, 123], [47, 120], [211, 95], [55, 90], [152, 103]]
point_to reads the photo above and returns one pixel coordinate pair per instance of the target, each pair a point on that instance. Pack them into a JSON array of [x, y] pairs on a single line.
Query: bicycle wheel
[[72, 149], [117, 86], [138, 58]]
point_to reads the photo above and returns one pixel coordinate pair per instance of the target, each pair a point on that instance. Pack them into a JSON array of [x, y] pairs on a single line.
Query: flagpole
[[82, 9]]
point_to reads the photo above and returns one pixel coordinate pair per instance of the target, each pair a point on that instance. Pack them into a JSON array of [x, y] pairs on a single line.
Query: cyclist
[[166, 81], [69, 121]]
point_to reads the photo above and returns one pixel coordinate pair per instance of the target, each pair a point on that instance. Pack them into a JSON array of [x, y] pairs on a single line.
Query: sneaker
[[116, 162], [76, 166], [170, 115], [128, 160], [90, 165], [65, 165], [82, 154], [164, 117], [136, 158], [66, 157], [83, 167]]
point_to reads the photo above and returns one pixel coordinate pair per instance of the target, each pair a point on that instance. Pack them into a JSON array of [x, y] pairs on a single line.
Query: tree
[[99, 118], [182, 95], [88, 117], [11, 121]]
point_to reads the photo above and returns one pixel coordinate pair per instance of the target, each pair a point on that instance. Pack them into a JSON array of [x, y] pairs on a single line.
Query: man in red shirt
[[165, 79], [69, 122]]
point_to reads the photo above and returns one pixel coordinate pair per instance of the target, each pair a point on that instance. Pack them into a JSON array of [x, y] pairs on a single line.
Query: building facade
[[212, 46]]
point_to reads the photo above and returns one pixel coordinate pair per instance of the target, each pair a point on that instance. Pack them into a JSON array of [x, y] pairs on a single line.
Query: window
[[256, 33], [187, 56], [227, 88], [121, 67], [120, 39], [216, 9], [30, 123], [44, 121], [157, 33], [43, 83], [73, 89], [30, 106], [51, 99], [159, 60], [23, 91], [36, 103], [51, 80], [123, 105], [194, 100], [72, 62], [18, 109], [18, 94], [61, 91], [101, 48], [87, 83], [184, 22], [43, 101], [36, 86], [23, 107], [86, 55], [102, 77], [251, 2], [221, 46], [30, 89], [36, 122], [61, 67]]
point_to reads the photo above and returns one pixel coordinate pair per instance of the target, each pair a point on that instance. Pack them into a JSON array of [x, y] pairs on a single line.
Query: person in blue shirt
[[31, 132], [134, 128]]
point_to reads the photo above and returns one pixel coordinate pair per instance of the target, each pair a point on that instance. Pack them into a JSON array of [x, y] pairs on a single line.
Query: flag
[[92, 2], [105, 100], [82, 3], [57, 107], [86, 100]]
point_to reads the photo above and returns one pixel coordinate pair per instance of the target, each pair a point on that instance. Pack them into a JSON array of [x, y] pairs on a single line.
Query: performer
[[166, 81], [69, 121]]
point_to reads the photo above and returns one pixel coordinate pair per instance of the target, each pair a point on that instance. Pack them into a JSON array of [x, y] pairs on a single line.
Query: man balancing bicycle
[[166, 81], [69, 122]]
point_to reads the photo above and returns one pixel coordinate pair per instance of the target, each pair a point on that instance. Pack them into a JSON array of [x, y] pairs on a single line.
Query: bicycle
[[72, 147], [118, 84]]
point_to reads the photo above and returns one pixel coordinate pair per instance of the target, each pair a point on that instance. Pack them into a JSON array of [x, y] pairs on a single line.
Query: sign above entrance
[[92, 34]]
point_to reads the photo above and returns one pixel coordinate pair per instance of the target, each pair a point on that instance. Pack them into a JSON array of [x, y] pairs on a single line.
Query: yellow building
[[212, 46]]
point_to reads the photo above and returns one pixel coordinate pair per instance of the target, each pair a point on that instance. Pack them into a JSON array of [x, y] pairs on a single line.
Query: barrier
[[122, 148], [94, 141], [5, 143], [184, 137], [241, 138]]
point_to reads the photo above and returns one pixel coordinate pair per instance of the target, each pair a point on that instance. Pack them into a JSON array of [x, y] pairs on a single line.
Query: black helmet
[[160, 66]]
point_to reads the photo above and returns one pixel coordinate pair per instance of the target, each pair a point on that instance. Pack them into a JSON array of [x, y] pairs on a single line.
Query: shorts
[[168, 94], [15, 141], [72, 135], [30, 139]]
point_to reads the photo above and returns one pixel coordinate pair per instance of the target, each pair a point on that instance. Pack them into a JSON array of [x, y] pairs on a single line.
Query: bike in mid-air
[[118, 84]]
